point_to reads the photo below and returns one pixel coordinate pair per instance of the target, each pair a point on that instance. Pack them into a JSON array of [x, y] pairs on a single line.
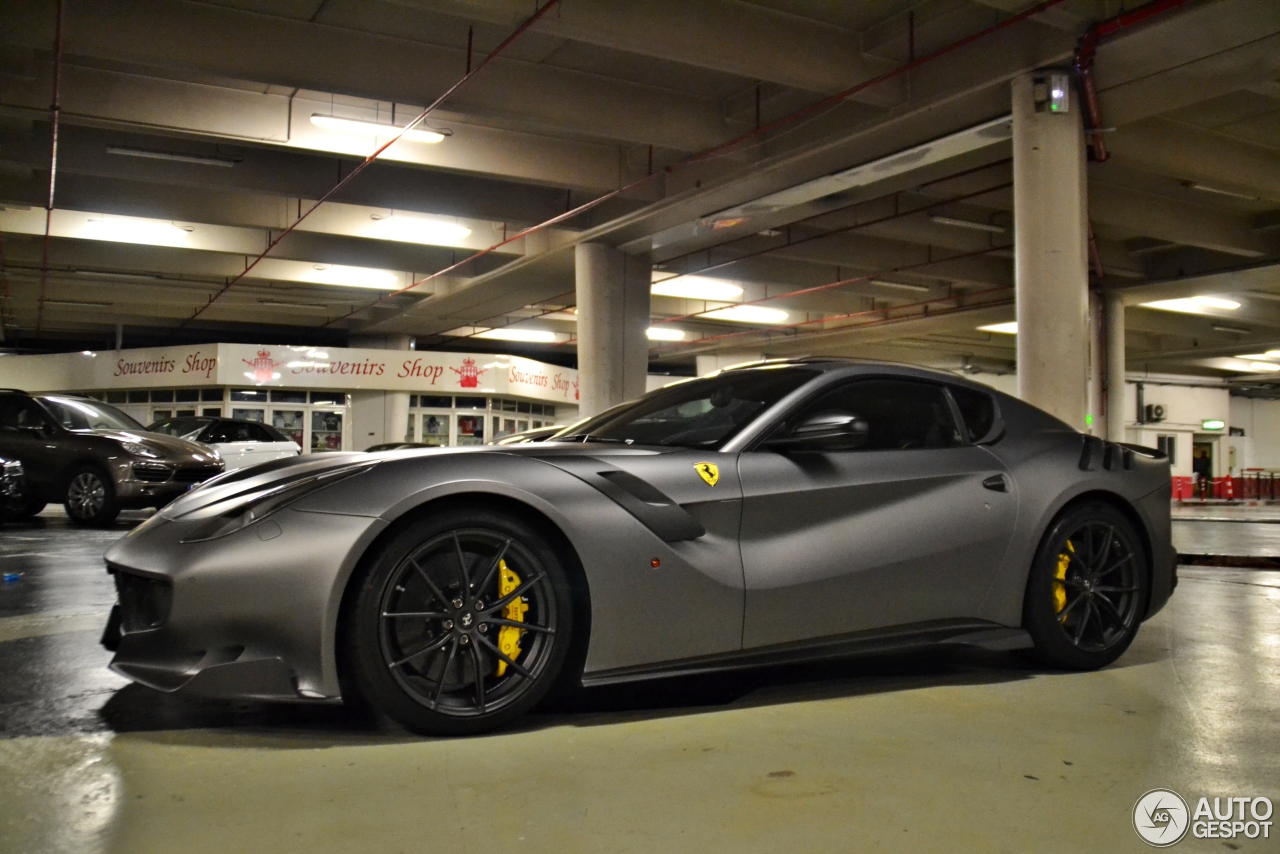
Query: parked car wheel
[[91, 497], [1087, 589], [460, 624]]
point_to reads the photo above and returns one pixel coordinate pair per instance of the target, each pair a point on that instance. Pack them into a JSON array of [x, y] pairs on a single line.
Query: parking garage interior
[[443, 222]]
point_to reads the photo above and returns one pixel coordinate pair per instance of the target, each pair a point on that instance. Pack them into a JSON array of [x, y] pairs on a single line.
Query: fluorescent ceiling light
[[1262, 367], [374, 129], [697, 287], [968, 223], [76, 303], [1238, 330], [283, 304], [747, 314], [902, 286], [528, 336], [665, 333], [1270, 354], [148, 232], [407, 228], [1009, 328], [351, 277], [1193, 305], [226, 162]]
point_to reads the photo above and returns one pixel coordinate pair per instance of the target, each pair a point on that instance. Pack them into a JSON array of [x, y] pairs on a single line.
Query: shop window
[[117, 397], [138, 397], [287, 396], [249, 395], [211, 394], [161, 415], [329, 398], [162, 397], [508, 406], [413, 401], [185, 413], [548, 409], [1168, 445], [326, 431], [188, 395], [211, 411], [433, 402], [408, 430], [435, 429], [470, 429], [473, 403], [524, 408], [290, 422], [246, 414]]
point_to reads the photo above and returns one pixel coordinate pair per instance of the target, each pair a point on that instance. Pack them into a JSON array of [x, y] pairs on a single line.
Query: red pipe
[[368, 161], [718, 150], [55, 111]]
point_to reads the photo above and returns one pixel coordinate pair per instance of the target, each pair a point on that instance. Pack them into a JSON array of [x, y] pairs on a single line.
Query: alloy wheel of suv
[[91, 498]]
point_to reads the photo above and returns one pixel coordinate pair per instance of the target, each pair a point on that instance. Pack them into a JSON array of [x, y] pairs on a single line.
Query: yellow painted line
[[40, 625]]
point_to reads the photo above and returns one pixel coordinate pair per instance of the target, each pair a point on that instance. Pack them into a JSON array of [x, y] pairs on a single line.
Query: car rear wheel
[[91, 497], [461, 624], [1087, 589]]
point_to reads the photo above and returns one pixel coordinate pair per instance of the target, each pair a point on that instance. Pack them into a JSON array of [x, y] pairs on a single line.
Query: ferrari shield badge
[[709, 472]]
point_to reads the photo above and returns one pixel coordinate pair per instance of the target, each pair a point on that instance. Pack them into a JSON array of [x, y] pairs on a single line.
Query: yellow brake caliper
[[509, 636], [1060, 575]]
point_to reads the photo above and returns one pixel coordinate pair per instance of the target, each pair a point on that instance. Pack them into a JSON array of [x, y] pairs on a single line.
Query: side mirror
[[825, 431]]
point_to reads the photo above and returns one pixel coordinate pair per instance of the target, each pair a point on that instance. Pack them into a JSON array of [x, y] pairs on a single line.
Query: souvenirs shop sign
[[290, 367]]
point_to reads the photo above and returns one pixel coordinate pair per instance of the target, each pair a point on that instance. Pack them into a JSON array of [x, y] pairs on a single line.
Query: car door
[[28, 435], [908, 528], [263, 446]]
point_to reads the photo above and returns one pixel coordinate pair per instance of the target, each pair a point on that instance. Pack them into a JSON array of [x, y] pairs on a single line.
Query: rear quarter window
[[978, 410]]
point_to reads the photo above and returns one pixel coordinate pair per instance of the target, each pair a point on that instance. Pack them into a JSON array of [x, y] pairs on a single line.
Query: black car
[[94, 459]]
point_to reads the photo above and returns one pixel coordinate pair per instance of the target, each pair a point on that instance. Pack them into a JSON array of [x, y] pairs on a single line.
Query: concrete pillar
[[379, 416], [1051, 276], [613, 318], [1115, 367]]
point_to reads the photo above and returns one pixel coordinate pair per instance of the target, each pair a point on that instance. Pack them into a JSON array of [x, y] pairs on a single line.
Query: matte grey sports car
[[766, 514]]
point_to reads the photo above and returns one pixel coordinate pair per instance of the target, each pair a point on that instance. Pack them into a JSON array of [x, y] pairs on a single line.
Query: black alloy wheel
[[1088, 588], [91, 497], [461, 624]]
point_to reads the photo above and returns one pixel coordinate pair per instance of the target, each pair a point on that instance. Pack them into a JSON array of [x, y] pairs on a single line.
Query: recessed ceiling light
[[747, 314], [1009, 328], [697, 287], [1193, 305], [665, 333], [528, 336], [351, 277], [968, 223], [355, 126]]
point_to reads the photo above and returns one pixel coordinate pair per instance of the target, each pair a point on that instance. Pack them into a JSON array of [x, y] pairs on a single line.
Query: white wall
[[1261, 422], [378, 417]]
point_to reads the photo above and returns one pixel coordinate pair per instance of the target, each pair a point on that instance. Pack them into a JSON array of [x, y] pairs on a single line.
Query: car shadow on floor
[[135, 709]]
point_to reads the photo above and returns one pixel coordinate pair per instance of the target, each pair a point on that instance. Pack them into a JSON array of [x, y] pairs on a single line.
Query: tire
[[1087, 591], [421, 670], [91, 497]]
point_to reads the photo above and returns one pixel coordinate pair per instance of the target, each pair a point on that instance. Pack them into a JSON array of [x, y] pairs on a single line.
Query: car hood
[[169, 448]]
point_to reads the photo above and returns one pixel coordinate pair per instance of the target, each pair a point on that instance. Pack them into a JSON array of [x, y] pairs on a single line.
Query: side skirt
[[979, 633]]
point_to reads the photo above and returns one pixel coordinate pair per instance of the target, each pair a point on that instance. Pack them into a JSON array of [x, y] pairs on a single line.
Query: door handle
[[996, 483]]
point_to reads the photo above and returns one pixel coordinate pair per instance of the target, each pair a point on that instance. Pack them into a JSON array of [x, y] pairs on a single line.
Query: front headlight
[[138, 450], [239, 511]]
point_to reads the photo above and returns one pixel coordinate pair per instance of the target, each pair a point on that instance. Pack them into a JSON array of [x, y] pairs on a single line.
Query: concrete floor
[[926, 752]]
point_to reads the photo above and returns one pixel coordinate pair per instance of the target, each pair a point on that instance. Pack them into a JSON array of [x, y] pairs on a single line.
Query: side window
[[221, 433], [901, 415], [19, 413], [977, 409], [257, 433]]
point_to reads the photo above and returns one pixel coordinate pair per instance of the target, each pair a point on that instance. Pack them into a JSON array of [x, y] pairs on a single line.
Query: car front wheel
[[91, 498], [461, 623], [1087, 590]]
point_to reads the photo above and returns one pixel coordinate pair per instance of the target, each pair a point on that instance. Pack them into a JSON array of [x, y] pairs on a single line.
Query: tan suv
[[94, 459]]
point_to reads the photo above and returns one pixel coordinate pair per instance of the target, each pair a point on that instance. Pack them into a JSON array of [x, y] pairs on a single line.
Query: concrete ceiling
[[187, 145]]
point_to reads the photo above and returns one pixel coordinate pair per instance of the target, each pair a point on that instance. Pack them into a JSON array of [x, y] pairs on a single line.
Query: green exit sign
[[1213, 424]]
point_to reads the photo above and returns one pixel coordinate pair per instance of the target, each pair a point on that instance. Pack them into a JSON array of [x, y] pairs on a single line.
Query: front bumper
[[141, 483], [249, 615]]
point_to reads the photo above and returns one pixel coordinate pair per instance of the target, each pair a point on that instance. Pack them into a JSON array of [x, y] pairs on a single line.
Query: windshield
[[183, 428], [703, 413], [76, 414]]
